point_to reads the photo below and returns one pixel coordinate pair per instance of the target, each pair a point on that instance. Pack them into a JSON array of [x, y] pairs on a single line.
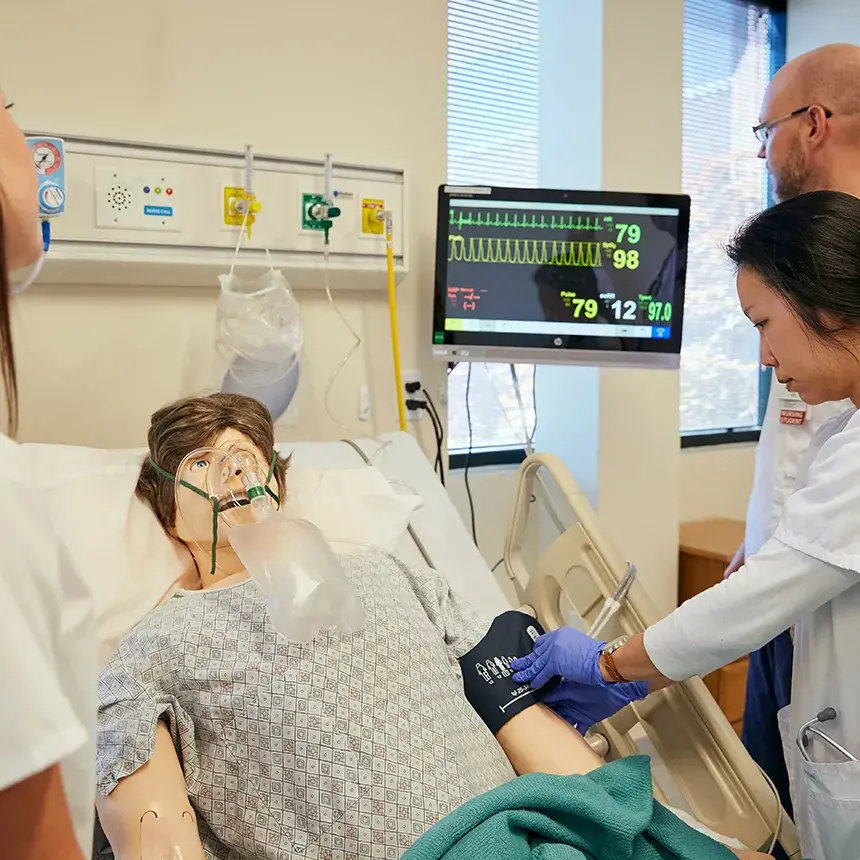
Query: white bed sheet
[[437, 523]]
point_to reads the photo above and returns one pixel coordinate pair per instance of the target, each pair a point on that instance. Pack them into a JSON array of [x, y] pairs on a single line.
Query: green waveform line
[[460, 219], [531, 252]]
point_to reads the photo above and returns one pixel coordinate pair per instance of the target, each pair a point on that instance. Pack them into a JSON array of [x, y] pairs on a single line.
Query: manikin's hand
[[736, 563], [566, 652]]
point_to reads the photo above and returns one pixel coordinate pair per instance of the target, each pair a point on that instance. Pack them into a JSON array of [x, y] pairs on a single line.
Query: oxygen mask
[[227, 491]]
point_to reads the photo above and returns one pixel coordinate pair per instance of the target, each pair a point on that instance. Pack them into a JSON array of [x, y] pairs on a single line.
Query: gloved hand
[[565, 652], [583, 705]]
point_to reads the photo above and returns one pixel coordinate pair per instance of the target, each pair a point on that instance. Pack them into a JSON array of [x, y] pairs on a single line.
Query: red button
[[169, 191]]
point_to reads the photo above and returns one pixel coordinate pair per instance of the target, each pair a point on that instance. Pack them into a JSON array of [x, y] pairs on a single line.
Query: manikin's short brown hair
[[197, 422]]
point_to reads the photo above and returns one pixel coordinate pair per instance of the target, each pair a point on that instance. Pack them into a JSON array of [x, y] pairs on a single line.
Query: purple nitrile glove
[[566, 652], [583, 705]]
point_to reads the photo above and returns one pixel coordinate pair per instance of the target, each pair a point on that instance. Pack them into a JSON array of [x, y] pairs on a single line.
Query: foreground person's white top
[[807, 575], [48, 672]]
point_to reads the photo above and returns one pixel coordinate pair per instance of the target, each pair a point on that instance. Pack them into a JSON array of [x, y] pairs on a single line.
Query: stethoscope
[[809, 728]]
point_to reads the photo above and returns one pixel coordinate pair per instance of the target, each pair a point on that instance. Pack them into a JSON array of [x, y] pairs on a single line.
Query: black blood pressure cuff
[[487, 675]]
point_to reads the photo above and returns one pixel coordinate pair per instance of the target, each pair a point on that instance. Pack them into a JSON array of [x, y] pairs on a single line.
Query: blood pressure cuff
[[487, 675]]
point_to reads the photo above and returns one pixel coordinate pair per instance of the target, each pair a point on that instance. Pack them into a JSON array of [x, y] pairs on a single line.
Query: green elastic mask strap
[[271, 493], [213, 500]]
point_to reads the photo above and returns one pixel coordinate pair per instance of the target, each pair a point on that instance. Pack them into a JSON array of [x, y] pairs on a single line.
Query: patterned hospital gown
[[351, 746]]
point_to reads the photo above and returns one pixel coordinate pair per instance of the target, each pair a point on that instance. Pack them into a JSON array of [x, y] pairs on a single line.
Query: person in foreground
[[47, 631], [798, 280]]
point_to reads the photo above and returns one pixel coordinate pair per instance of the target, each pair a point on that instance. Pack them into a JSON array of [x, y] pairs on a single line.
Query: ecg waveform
[[459, 219], [531, 252]]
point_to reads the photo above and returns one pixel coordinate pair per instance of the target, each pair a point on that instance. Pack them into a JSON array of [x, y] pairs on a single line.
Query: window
[[731, 49], [493, 90]]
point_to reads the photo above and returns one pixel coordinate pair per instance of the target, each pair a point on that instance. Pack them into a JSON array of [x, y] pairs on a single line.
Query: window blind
[[493, 81], [731, 49]]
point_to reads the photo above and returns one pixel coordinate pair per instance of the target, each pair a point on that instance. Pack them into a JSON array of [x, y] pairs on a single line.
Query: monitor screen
[[569, 277]]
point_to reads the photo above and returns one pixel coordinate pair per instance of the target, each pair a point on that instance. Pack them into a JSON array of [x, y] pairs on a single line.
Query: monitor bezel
[[661, 353]]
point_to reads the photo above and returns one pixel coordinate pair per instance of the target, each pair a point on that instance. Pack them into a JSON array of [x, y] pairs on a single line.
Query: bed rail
[[696, 752]]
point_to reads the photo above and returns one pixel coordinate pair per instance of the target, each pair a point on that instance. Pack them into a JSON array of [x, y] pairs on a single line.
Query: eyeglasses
[[763, 129]]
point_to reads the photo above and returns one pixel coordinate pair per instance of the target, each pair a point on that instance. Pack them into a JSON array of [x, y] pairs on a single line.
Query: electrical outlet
[[411, 378]]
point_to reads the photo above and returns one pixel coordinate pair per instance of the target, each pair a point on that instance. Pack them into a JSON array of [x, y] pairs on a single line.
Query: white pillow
[[118, 545], [351, 507], [113, 538]]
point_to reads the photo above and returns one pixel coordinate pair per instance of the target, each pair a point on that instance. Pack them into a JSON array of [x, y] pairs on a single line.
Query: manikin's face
[[194, 513], [816, 370]]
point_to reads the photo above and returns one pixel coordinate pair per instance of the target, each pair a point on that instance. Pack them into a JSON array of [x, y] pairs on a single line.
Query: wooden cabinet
[[706, 548]]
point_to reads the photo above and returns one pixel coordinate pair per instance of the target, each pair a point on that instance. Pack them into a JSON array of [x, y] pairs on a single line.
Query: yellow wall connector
[[240, 207]]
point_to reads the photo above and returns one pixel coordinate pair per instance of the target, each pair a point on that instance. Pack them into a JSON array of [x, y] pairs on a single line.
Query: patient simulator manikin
[[227, 492]]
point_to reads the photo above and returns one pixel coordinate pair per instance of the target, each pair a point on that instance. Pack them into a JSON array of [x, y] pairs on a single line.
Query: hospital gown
[[351, 746]]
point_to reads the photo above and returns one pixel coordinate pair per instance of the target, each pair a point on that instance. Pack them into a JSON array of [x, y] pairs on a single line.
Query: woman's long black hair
[[7, 355], [808, 250]]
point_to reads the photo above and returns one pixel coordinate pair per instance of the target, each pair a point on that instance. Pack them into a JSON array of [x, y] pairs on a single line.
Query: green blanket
[[609, 814]]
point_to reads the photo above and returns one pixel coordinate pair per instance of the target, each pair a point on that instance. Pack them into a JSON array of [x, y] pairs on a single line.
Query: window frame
[[508, 455]]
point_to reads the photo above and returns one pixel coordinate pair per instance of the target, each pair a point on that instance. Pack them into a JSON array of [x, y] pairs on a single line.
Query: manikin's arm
[[539, 741], [148, 815]]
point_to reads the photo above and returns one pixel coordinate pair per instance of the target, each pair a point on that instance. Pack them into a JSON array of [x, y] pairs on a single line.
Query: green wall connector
[[308, 221]]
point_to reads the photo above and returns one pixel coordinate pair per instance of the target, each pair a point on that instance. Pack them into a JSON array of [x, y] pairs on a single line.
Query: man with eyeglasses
[[809, 132]]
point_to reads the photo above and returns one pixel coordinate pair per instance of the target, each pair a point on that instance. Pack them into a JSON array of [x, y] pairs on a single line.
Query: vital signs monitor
[[567, 277]]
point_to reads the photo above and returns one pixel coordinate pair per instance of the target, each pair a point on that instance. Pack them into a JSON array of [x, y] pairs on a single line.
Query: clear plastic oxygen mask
[[306, 589]]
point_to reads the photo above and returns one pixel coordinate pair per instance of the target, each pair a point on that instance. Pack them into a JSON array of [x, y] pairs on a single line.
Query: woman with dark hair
[[798, 281], [47, 639]]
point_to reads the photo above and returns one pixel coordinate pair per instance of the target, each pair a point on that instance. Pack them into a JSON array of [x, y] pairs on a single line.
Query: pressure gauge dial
[[46, 158], [51, 197]]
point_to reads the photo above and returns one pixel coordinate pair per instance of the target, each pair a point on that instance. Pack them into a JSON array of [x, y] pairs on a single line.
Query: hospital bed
[[699, 765]]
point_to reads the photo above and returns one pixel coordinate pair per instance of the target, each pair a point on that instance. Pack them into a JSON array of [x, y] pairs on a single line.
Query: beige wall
[[716, 482], [364, 81]]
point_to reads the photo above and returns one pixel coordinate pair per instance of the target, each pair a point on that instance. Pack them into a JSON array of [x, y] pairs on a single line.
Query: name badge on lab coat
[[792, 410]]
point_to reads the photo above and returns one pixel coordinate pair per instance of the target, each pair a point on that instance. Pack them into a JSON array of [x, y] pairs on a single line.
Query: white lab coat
[[787, 430], [807, 574], [48, 669], [823, 521]]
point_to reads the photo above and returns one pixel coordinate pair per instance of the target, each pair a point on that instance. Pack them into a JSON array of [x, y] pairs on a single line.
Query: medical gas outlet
[[240, 208], [317, 214]]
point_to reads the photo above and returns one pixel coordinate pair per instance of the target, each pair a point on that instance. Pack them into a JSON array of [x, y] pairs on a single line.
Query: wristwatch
[[609, 662]]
